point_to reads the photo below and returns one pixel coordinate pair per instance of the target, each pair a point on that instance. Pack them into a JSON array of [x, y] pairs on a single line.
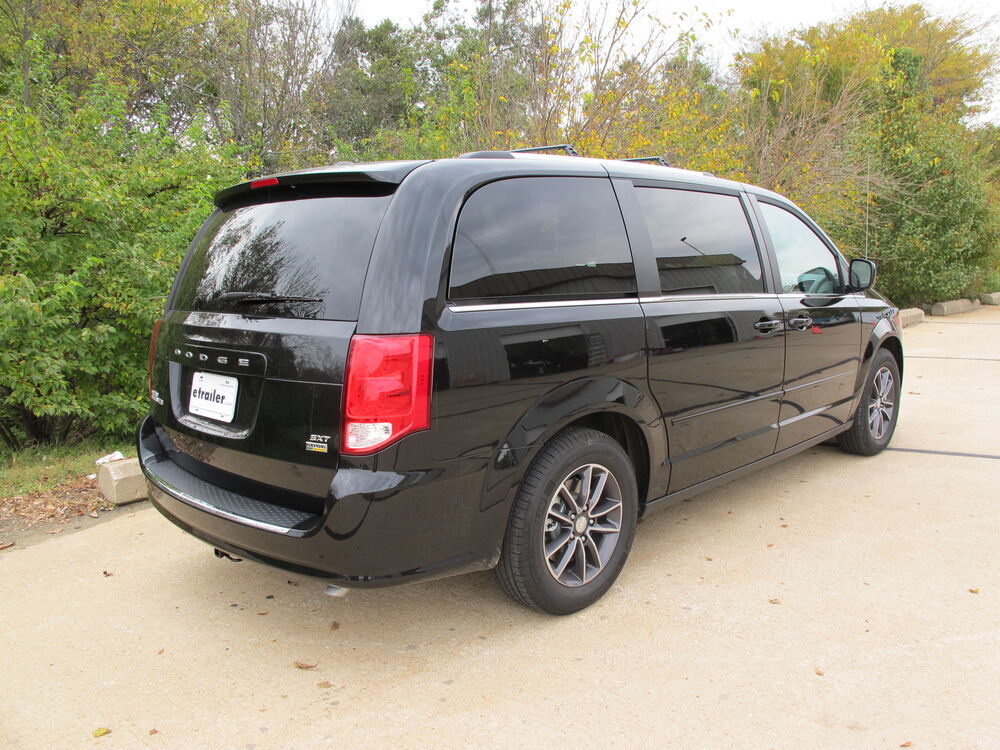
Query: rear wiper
[[251, 298]]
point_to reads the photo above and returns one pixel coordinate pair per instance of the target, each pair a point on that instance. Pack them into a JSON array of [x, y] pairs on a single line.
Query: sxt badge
[[317, 443]]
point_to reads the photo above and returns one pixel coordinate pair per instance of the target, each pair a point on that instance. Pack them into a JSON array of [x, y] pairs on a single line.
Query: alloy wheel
[[882, 404], [582, 525]]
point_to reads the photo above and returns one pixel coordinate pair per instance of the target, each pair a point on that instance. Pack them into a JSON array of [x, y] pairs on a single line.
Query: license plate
[[213, 396]]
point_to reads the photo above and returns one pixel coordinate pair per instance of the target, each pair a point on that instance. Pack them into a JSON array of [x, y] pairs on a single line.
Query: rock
[[953, 307], [990, 299], [911, 316], [122, 481]]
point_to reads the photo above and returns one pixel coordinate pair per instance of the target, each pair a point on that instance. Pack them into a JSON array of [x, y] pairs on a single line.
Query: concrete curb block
[[954, 307], [911, 316], [122, 481], [990, 299]]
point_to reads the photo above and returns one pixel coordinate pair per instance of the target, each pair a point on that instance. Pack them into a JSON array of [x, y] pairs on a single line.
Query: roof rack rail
[[658, 159], [568, 148]]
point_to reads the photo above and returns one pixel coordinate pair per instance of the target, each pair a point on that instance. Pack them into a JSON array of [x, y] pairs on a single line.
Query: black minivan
[[388, 372]]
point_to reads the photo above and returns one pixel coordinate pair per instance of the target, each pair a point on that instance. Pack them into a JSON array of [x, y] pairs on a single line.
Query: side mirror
[[862, 274]]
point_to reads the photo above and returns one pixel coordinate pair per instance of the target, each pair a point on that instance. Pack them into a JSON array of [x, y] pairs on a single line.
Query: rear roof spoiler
[[385, 173]]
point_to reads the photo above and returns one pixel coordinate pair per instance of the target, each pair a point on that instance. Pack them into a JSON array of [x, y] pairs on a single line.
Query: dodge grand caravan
[[380, 373]]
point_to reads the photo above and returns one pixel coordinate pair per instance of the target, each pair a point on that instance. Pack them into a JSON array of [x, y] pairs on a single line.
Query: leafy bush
[[97, 214]]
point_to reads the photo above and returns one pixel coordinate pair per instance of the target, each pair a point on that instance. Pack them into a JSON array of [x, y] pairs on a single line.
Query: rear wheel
[[875, 419], [572, 524]]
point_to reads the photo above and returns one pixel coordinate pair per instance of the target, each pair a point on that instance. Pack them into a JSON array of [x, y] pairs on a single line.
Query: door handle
[[800, 323], [767, 325]]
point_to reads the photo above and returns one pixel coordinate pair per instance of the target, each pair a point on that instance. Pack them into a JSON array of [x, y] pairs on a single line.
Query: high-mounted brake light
[[263, 182], [152, 350], [387, 390]]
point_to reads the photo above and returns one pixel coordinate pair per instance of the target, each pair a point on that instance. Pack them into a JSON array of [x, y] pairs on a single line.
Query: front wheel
[[875, 419], [572, 524]]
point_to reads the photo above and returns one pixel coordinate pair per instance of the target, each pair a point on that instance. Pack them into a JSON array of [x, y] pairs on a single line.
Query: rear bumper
[[377, 529]]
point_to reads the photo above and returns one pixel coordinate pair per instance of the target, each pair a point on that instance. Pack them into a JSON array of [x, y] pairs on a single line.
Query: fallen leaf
[[7, 545], [323, 684], [303, 665], [784, 525], [262, 613], [774, 601], [154, 731], [973, 591], [293, 583], [160, 652], [818, 671], [334, 625], [709, 559], [907, 744], [108, 574], [771, 544], [54, 531], [93, 514], [101, 731]]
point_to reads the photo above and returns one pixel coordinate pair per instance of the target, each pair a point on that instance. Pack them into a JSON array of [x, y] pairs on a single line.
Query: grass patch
[[41, 468]]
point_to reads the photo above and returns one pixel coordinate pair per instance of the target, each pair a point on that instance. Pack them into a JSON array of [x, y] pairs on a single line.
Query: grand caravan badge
[[318, 443]]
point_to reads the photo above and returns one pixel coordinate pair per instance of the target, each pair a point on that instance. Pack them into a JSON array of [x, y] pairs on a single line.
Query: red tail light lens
[[387, 390], [152, 350], [263, 182]]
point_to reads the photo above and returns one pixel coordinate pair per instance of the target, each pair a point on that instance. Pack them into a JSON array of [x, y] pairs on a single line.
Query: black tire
[[523, 570], [863, 438]]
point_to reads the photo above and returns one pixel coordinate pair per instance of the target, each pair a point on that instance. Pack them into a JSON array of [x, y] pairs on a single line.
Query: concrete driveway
[[826, 602]]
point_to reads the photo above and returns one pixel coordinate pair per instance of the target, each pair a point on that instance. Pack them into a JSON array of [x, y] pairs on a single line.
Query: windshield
[[316, 248]]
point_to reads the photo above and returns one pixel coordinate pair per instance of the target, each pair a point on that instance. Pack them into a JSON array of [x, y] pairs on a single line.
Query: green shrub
[[97, 214]]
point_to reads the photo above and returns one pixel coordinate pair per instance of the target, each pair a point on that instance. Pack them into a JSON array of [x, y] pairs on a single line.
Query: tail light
[[387, 390], [152, 350]]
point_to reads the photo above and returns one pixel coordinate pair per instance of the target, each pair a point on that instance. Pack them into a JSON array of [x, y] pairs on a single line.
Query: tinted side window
[[804, 261], [702, 242], [541, 238]]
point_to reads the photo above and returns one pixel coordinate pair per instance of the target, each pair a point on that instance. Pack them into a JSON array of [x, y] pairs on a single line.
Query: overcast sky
[[746, 20]]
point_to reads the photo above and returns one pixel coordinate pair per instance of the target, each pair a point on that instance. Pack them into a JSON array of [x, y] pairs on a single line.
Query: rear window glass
[[541, 238], [308, 247], [702, 242]]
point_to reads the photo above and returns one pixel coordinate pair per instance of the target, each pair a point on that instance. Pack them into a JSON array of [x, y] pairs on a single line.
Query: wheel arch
[[616, 407]]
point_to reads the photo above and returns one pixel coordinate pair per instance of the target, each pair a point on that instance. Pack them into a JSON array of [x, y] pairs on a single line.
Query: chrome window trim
[[483, 307], [541, 305]]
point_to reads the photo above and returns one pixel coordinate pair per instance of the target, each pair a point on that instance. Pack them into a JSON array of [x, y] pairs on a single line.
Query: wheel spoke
[[586, 479], [581, 560], [553, 547], [568, 497], [612, 506], [560, 517], [598, 491], [599, 529], [595, 553], [564, 560]]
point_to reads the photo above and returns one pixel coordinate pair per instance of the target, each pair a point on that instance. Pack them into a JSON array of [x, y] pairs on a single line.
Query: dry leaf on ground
[[303, 665], [101, 731], [819, 671]]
